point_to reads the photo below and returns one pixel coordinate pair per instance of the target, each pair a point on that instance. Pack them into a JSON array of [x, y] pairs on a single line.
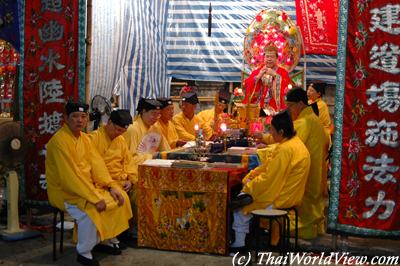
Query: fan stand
[[13, 231]]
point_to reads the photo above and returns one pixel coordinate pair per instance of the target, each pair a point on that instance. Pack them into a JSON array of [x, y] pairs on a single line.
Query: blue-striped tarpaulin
[[193, 55], [128, 51]]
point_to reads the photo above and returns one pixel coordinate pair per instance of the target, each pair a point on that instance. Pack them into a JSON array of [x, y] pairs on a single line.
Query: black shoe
[[112, 250], [121, 246], [87, 262], [234, 250], [240, 201]]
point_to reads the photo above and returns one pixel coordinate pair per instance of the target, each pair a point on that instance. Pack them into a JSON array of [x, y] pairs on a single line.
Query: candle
[[196, 127], [223, 127]]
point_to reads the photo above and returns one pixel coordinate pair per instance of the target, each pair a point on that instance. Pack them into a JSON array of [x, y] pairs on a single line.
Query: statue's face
[[270, 59]]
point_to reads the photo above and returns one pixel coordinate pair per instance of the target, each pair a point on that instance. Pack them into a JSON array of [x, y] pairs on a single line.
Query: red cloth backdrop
[[50, 79], [369, 189], [318, 22]]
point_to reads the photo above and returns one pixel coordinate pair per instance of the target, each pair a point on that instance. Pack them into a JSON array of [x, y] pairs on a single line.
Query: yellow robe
[[75, 173], [116, 155], [207, 116], [169, 132], [281, 180], [311, 212], [135, 138], [324, 117], [185, 127]]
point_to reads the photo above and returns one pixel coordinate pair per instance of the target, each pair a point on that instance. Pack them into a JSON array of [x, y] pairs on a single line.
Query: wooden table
[[185, 209]]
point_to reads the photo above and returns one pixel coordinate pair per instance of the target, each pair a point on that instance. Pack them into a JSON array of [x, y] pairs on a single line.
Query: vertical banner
[[366, 168], [318, 22], [50, 79]]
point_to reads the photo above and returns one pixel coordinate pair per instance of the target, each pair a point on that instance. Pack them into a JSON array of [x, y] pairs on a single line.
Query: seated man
[[279, 182], [186, 120], [165, 125], [113, 149], [311, 132], [143, 138], [214, 116], [78, 182]]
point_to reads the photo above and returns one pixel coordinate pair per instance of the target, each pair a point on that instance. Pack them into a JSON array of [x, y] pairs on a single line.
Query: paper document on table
[[224, 165], [189, 144], [158, 162], [242, 150]]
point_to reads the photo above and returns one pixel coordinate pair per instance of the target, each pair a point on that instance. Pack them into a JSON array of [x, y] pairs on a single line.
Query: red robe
[[278, 87]]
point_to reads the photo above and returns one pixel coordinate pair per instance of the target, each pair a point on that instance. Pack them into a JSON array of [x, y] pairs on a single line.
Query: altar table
[[185, 209]]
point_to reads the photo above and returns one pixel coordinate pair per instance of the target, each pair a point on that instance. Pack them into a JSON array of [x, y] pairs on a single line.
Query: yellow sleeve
[[180, 129], [130, 167], [324, 114], [60, 165], [120, 162], [208, 132], [268, 139], [302, 131], [100, 173], [269, 183]]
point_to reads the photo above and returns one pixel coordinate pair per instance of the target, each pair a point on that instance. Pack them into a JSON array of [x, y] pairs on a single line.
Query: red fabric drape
[[318, 22]]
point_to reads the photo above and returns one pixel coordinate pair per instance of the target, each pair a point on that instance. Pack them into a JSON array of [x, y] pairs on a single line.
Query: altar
[[185, 209], [249, 160]]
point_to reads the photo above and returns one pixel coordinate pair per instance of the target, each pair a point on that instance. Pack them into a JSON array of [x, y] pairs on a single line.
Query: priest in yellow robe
[[315, 91], [165, 124], [143, 138], [113, 149], [310, 130], [214, 116], [277, 183], [78, 182], [186, 120]]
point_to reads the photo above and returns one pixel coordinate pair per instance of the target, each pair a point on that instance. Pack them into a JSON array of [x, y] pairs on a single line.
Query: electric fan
[[100, 110], [12, 154]]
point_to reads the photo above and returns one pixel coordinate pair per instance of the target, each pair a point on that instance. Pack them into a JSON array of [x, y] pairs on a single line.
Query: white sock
[[239, 240], [114, 240], [87, 255]]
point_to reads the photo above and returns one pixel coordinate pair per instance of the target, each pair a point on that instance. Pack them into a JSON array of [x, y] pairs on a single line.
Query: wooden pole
[[88, 48]]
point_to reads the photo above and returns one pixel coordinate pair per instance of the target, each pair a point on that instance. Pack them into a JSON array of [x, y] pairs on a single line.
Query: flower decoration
[[357, 111], [351, 213], [238, 94], [70, 74], [362, 4], [354, 147], [272, 26], [353, 184], [361, 36], [8, 18], [360, 74]]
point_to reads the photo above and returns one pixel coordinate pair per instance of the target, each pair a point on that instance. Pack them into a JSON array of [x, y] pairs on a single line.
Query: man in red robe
[[268, 84]]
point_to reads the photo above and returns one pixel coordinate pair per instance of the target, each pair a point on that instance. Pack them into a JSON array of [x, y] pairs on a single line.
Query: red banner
[[50, 79], [318, 22], [369, 187]]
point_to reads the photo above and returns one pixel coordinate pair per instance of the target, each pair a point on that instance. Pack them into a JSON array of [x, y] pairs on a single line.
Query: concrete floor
[[38, 250]]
